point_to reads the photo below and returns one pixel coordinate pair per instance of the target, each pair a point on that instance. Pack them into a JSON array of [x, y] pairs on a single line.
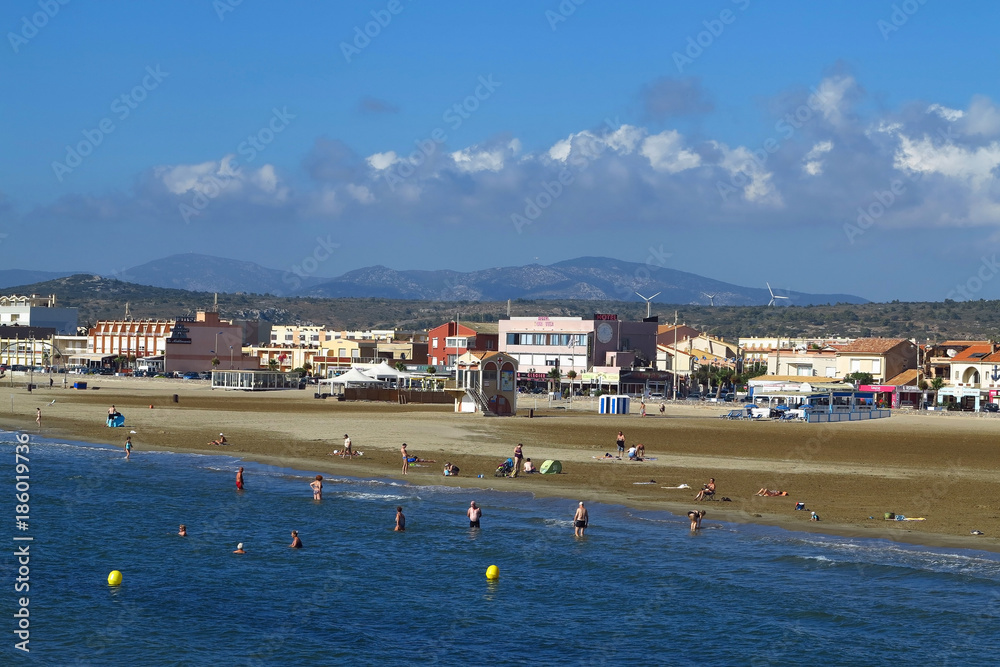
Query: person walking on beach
[[620, 440], [400, 521], [518, 458], [663, 408], [128, 448], [38, 417], [317, 487], [239, 479], [296, 542], [642, 408], [347, 447], [580, 520], [474, 513], [406, 458]]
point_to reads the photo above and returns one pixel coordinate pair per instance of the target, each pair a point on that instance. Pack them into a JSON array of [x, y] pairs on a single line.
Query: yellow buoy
[[115, 578], [493, 572]]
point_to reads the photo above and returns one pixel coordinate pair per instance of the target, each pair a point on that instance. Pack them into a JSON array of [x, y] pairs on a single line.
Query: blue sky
[[595, 128]]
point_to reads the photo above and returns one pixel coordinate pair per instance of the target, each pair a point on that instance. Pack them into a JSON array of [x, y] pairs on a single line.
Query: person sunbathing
[[769, 493], [221, 441], [707, 491]]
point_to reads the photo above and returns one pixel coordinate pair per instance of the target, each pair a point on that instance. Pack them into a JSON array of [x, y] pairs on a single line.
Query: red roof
[[872, 345], [979, 350]]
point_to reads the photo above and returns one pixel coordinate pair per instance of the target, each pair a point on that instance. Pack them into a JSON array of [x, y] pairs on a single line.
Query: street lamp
[[230, 357]]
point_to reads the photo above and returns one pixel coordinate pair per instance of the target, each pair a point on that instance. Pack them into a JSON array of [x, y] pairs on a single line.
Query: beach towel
[[682, 486]]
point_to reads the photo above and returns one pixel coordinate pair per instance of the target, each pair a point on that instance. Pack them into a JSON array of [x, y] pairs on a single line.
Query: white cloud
[[950, 115], [831, 97], [974, 166], [813, 163], [665, 152], [380, 161], [360, 193]]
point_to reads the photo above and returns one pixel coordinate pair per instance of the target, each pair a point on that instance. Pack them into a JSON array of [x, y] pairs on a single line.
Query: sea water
[[639, 588]]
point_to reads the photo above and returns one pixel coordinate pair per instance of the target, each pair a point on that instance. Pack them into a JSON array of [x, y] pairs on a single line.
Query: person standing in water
[[474, 513], [239, 479], [580, 520], [317, 487], [296, 542], [128, 447], [182, 531], [400, 521]]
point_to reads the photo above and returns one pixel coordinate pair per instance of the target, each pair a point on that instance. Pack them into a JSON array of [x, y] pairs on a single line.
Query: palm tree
[[571, 376], [555, 376], [272, 365], [400, 366], [215, 363], [936, 385], [723, 376]]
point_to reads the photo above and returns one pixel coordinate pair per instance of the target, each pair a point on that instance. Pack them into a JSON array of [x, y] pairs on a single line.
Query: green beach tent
[[550, 468]]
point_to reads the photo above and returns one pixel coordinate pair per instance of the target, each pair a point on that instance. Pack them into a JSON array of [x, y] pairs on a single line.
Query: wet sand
[[938, 466]]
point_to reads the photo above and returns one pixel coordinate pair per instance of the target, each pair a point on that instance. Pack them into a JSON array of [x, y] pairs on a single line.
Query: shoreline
[[675, 508], [291, 431]]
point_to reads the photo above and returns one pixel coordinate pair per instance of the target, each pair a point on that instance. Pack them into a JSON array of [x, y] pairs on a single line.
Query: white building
[[37, 311]]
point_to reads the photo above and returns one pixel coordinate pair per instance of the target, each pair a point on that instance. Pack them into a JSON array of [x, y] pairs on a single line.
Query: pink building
[[193, 343]]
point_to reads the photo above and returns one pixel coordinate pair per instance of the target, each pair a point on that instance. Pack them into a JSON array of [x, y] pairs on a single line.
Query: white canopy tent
[[386, 372], [353, 378]]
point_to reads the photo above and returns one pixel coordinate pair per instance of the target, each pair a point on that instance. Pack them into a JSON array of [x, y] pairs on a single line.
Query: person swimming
[[239, 549], [296, 542]]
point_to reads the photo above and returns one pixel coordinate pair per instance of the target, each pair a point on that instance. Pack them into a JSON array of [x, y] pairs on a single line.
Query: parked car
[[728, 398], [693, 396], [656, 395], [989, 407], [192, 376]]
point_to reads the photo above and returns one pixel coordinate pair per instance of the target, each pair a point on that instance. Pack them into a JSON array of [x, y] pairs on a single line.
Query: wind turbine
[[647, 300], [773, 295], [711, 298]]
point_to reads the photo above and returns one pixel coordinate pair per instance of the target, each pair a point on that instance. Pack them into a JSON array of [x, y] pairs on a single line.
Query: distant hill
[[204, 273], [12, 277], [103, 298], [584, 278], [590, 278]]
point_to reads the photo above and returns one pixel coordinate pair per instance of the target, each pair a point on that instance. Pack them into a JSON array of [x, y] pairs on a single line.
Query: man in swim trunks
[[406, 462], [580, 520], [296, 542], [400, 521], [239, 479], [620, 440], [474, 514], [317, 487]]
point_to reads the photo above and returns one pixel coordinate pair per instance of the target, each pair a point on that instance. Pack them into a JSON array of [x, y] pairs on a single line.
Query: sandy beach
[[936, 466]]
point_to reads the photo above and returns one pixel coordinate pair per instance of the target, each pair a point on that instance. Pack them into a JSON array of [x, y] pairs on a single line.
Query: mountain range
[[587, 278]]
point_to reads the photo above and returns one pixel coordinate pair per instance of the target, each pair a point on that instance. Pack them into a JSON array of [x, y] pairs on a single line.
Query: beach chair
[[734, 414]]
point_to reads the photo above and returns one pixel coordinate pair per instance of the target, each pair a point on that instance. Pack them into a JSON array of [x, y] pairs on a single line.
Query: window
[[876, 365], [512, 339], [831, 371], [855, 365], [342, 352], [434, 342], [288, 336], [314, 337]]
